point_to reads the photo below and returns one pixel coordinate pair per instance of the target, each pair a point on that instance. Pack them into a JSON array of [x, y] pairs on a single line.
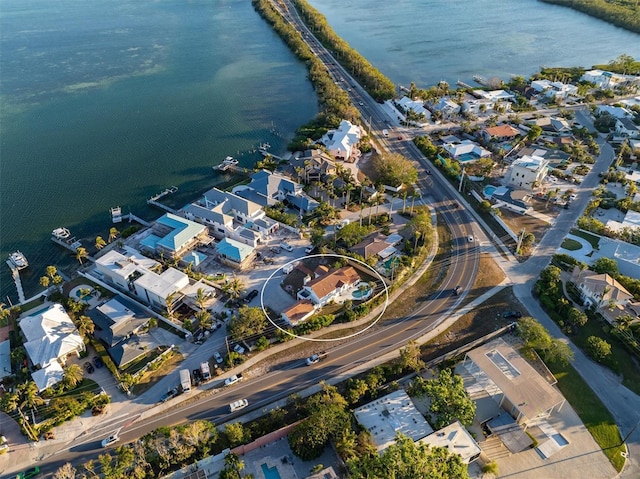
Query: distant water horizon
[[106, 104]]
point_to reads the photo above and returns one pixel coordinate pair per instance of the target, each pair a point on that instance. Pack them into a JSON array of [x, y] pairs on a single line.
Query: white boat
[[228, 161], [264, 147], [18, 260], [61, 233]]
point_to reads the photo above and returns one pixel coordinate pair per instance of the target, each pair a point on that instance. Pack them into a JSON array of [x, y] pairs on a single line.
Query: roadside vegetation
[[622, 13]]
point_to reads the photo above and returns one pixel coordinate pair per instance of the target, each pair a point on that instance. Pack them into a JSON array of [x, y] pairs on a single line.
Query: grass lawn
[[571, 245], [594, 240], [592, 412]]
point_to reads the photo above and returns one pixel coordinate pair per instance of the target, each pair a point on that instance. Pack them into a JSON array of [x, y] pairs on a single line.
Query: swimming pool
[[489, 190], [465, 157], [362, 294], [270, 472]]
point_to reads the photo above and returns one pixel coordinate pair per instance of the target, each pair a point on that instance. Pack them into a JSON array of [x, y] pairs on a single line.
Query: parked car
[[238, 349], [286, 246], [470, 239], [88, 367], [309, 249], [4, 444], [252, 294], [106, 442], [97, 361], [233, 379], [512, 314], [29, 473], [169, 394], [276, 249], [573, 197], [197, 376], [217, 357], [566, 205]]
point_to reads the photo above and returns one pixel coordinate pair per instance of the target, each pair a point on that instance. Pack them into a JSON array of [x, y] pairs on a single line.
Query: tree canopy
[[408, 460], [247, 322], [394, 169]]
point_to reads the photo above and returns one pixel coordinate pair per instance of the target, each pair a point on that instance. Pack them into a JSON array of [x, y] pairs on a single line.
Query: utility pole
[[461, 179], [520, 238]]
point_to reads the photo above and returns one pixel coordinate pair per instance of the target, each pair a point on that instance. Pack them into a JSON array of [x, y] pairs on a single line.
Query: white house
[[614, 111], [556, 90], [136, 274], [494, 95], [416, 106], [341, 143], [446, 106], [528, 172], [466, 151], [50, 337], [625, 127], [606, 294], [329, 286], [603, 79], [231, 216], [484, 106]]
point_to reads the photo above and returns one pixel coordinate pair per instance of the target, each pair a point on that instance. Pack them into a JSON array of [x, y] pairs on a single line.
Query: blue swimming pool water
[[489, 190], [361, 294], [270, 473], [466, 157]]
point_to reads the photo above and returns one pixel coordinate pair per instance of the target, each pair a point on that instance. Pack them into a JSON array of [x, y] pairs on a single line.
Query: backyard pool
[[270, 472], [489, 190], [361, 293]]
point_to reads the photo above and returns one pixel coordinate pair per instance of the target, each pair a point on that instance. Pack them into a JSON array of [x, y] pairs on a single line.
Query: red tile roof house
[[330, 286], [500, 133]]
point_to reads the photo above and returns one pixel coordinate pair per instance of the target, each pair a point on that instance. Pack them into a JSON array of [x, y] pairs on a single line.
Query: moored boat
[[228, 162], [61, 233], [18, 260]]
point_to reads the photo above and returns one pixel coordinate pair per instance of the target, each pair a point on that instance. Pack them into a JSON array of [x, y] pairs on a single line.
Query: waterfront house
[[446, 107], [173, 236], [312, 166], [329, 286], [50, 338], [500, 133], [484, 106], [614, 111], [603, 79], [235, 254], [606, 294], [342, 142], [136, 274], [557, 91], [415, 106], [267, 189], [494, 95], [527, 172], [626, 128], [231, 216]]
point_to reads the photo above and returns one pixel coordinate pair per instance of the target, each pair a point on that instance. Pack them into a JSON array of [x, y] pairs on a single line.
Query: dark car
[[512, 314], [252, 294], [88, 367], [566, 205], [197, 376], [97, 361], [457, 289]]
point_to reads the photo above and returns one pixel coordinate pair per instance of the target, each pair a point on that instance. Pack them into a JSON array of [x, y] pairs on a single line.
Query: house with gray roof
[[627, 128], [229, 215], [267, 189]]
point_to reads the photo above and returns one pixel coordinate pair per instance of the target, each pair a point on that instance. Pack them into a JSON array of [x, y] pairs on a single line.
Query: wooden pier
[[117, 217], [15, 273], [162, 194], [70, 243], [153, 201]]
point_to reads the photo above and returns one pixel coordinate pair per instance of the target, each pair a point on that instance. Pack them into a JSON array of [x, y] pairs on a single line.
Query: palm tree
[[169, 303], [113, 234], [28, 393], [100, 243], [201, 298], [45, 282], [73, 376], [4, 312], [234, 288], [81, 253], [204, 319], [85, 326], [152, 323]]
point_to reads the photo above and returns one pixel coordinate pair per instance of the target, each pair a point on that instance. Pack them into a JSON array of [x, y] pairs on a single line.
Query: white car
[[217, 357], [470, 239], [573, 197], [286, 246], [309, 249], [239, 404], [238, 349], [233, 379], [110, 440]]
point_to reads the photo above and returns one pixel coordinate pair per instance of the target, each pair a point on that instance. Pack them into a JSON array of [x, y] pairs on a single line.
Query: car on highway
[[361, 103], [106, 442], [512, 314], [457, 290], [470, 239], [315, 358], [88, 367], [217, 357], [29, 473], [239, 404], [233, 379], [252, 294]]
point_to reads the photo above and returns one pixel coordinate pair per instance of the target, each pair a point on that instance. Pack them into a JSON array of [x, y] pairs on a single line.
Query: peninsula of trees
[[621, 13]]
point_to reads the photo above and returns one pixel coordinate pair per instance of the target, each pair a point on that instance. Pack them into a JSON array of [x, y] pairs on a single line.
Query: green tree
[[100, 243], [113, 234], [598, 348], [234, 288], [85, 326], [236, 433], [410, 357], [356, 389], [407, 459], [204, 319], [537, 338], [81, 253], [449, 399], [606, 265], [534, 132], [421, 227], [247, 322], [577, 317], [72, 376], [28, 395], [353, 233], [394, 169]]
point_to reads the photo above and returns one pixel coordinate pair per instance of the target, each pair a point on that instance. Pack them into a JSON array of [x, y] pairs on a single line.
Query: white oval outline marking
[[321, 340]]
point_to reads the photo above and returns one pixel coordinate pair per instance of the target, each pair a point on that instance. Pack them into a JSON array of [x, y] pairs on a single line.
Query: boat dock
[[464, 85], [153, 201], [117, 217], [15, 273], [66, 241]]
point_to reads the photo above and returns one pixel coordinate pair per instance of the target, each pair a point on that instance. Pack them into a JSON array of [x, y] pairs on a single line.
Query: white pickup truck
[[233, 379]]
